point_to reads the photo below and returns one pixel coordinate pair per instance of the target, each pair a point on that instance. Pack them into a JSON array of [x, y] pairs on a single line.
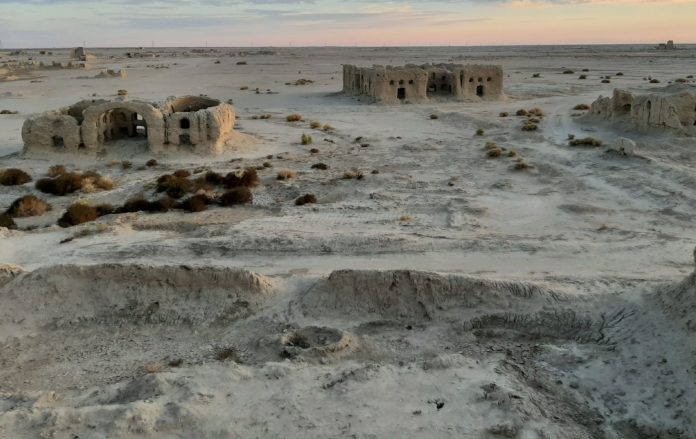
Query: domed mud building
[[196, 124]]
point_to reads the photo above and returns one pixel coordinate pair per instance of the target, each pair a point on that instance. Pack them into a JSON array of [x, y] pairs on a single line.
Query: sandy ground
[[563, 304]]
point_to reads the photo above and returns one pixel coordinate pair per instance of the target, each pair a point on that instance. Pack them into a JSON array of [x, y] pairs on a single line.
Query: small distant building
[[416, 84], [81, 54], [668, 46], [195, 124]]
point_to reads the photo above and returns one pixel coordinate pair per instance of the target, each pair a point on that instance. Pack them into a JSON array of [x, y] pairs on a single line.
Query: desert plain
[[432, 290]]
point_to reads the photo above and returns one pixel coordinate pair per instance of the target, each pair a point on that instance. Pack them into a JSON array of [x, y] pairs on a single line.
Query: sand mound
[[68, 296], [419, 295]]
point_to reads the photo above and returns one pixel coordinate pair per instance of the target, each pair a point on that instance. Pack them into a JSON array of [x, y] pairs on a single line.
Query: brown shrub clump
[[294, 118], [140, 204], [504, 114], [286, 175], [78, 213], [306, 199], [7, 221], [536, 111], [174, 186], [353, 175], [585, 141], [212, 177], [150, 163], [521, 112], [248, 177], [238, 195], [581, 107], [529, 126], [62, 185], [14, 177], [320, 166], [28, 205], [56, 170], [181, 173], [521, 166], [315, 125], [196, 203], [495, 152]]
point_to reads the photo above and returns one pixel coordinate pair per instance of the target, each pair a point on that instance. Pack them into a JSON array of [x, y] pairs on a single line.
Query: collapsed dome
[[188, 104]]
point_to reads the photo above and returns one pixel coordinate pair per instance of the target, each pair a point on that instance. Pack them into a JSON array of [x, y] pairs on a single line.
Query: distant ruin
[[416, 84], [671, 107], [668, 46], [195, 124]]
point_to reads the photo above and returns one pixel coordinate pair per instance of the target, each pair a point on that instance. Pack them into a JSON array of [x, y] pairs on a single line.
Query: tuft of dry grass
[[248, 177], [306, 199], [153, 368], [150, 163], [126, 164], [314, 150], [521, 112], [174, 186], [14, 177], [536, 75], [238, 195], [406, 218], [320, 166], [27, 206], [529, 126], [503, 114], [585, 141], [56, 170], [306, 139], [78, 213], [353, 175], [294, 118], [606, 81], [434, 116], [520, 166], [140, 204], [490, 145], [654, 81], [286, 174], [70, 182], [494, 152], [328, 128], [480, 132], [581, 107], [196, 203], [582, 77], [533, 120], [536, 111], [7, 222], [225, 354], [512, 153], [315, 125], [568, 72]]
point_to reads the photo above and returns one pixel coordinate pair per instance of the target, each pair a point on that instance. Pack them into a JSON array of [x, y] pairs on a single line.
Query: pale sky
[[102, 23]]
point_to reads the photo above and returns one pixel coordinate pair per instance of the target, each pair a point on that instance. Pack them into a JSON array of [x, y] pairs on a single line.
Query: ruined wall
[[672, 107], [190, 123], [414, 84]]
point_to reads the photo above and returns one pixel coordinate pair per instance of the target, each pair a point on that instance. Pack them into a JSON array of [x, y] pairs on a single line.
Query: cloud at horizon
[[66, 23]]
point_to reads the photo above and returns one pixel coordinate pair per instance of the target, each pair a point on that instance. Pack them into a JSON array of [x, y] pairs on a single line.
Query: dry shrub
[[480, 132], [521, 166], [78, 213], [62, 185], [196, 203], [494, 152], [306, 199], [619, 74], [126, 164], [353, 175], [181, 173], [491, 144], [294, 118], [226, 354], [307, 139], [314, 150], [315, 125], [265, 116], [28, 205], [286, 174], [150, 163], [238, 195], [211, 177], [536, 111], [606, 81], [56, 170], [248, 177], [536, 75], [521, 112], [582, 77], [533, 120], [585, 141], [581, 107], [140, 204], [93, 182], [682, 80], [175, 187], [328, 127], [7, 221], [568, 72], [153, 368], [14, 177], [405, 218], [434, 116], [267, 165], [504, 114], [512, 153], [320, 166], [244, 87], [654, 81], [528, 126]]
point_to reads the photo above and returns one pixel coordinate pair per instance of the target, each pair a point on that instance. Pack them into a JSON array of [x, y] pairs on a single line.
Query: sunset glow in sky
[[67, 23]]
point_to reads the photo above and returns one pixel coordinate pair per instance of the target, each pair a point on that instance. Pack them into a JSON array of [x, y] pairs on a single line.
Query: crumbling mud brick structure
[[191, 123], [672, 107], [416, 84]]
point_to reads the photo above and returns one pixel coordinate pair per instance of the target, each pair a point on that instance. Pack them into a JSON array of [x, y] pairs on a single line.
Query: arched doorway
[[128, 123]]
